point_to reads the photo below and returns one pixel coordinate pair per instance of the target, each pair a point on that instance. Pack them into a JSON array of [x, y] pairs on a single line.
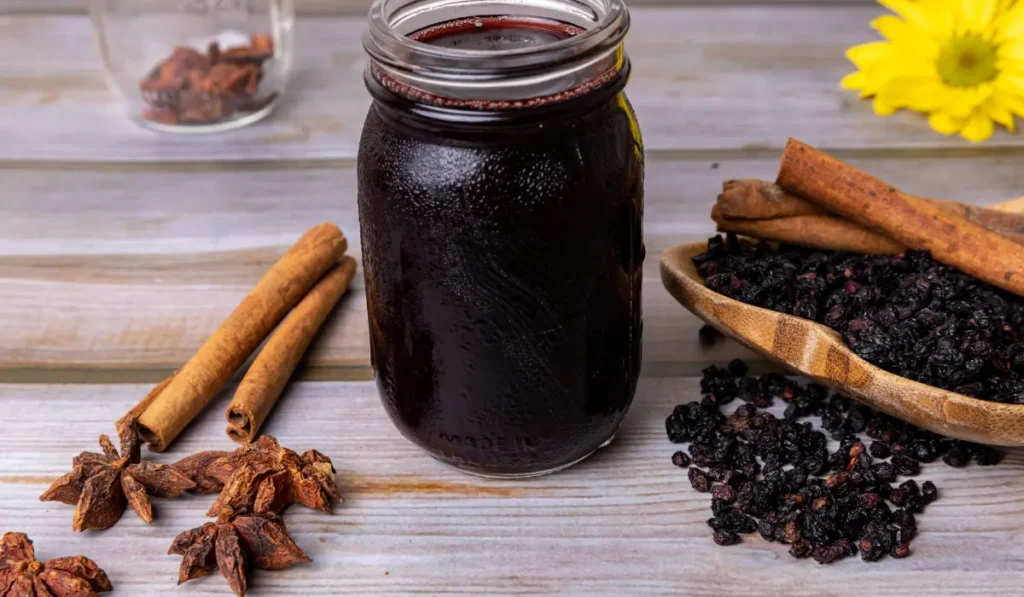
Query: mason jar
[[196, 66], [501, 203]]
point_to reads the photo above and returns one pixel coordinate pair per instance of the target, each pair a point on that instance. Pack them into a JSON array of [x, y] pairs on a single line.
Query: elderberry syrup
[[501, 205]]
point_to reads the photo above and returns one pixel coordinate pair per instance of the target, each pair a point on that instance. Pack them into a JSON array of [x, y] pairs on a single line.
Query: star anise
[[101, 485], [197, 466], [236, 542], [192, 87], [265, 477], [22, 576]]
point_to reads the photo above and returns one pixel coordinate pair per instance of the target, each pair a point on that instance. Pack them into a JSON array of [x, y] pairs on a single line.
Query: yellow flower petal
[[900, 64], [1001, 114], [1011, 24], [1010, 67], [945, 124], [1011, 83], [908, 38], [1012, 51], [867, 54], [854, 81], [924, 94], [978, 128], [883, 109], [977, 14], [963, 101], [1013, 103], [915, 13]]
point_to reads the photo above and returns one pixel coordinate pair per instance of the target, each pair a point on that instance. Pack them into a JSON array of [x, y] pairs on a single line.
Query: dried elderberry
[[929, 493], [681, 459], [775, 476], [880, 449], [909, 314], [699, 480], [708, 335]]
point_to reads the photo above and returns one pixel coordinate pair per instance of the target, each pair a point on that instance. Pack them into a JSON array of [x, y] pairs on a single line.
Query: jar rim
[[475, 74], [389, 21]]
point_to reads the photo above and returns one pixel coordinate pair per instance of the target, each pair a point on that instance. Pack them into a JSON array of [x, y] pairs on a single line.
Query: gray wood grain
[[625, 522], [121, 250], [119, 274], [734, 79], [336, 7]]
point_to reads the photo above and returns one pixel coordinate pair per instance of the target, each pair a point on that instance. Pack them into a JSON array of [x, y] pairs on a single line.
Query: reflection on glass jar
[[196, 65], [501, 206]]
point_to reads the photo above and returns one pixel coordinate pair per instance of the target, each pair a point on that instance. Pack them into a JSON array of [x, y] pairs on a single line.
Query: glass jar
[[196, 65], [500, 180]]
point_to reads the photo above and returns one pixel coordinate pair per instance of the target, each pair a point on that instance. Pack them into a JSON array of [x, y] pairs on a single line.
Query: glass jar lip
[[386, 41]]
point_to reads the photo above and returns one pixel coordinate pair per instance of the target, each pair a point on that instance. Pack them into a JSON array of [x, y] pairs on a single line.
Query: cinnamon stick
[[127, 425], [148, 399], [195, 385], [820, 232], [269, 372], [753, 199], [918, 224], [1013, 206]]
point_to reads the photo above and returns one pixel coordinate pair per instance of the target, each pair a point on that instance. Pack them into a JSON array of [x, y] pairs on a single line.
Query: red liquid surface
[[503, 271], [495, 33]]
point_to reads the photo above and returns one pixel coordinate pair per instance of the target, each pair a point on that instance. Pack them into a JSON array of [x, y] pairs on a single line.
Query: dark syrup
[[495, 33], [503, 267]]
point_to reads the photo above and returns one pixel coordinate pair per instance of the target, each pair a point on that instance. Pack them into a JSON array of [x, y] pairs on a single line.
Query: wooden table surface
[[121, 250]]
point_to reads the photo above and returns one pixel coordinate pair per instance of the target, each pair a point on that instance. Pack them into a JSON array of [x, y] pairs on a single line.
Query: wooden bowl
[[816, 351]]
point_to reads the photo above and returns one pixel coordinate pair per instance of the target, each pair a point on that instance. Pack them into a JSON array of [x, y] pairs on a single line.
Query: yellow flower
[[959, 61]]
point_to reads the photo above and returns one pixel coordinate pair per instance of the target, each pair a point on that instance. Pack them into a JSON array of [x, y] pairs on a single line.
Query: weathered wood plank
[[624, 522], [336, 7], [707, 78], [120, 275]]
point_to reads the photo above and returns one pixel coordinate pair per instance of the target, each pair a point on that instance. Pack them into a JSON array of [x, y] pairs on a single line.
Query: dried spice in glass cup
[[196, 65], [501, 201]]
